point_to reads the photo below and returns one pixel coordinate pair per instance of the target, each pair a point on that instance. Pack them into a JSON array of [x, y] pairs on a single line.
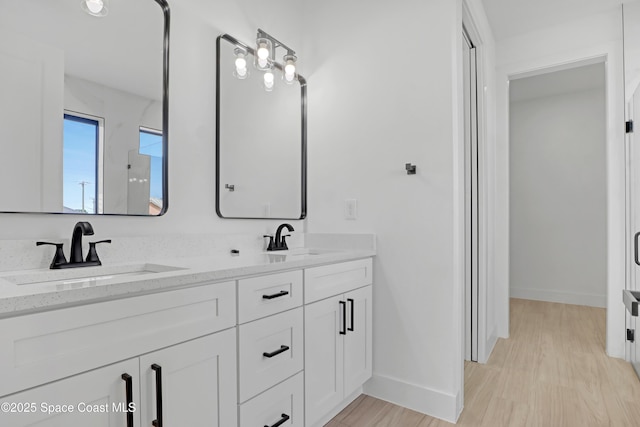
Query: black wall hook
[[411, 169]]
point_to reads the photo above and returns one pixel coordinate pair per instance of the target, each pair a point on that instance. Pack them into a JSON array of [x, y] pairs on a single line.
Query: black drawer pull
[[344, 317], [129, 390], [351, 303], [282, 349], [283, 420], [278, 295], [158, 421]]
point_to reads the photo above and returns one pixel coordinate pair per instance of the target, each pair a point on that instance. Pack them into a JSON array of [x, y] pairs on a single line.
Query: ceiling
[[509, 18], [558, 82]]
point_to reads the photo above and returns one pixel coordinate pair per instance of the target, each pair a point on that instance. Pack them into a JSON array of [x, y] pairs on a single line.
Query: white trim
[[485, 344], [438, 404], [591, 300]]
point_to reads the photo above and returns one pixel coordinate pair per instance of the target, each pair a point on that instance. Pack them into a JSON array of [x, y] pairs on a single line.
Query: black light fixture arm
[[276, 42]]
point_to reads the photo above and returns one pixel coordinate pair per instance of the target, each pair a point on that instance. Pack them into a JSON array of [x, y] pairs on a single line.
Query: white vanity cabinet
[[80, 401], [194, 383], [280, 349], [338, 335], [189, 333], [271, 350]]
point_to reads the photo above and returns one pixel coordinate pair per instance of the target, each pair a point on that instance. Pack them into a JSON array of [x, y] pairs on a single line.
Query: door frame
[[611, 55], [485, 342]]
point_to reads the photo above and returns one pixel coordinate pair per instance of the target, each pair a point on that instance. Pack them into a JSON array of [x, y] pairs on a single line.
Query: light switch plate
[[351, 209]]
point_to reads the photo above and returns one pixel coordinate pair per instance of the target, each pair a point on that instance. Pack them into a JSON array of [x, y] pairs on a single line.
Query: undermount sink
[[88, 274], [298, 252]]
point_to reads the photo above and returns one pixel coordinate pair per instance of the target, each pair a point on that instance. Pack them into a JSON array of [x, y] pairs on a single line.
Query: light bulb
[[262, 63], [269, 79], [241, 62], [263, 52], [290, 69], [95, 6]]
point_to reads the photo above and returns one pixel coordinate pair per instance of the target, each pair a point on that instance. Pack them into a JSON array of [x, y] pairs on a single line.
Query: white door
[[191, 384], [325, 327], [96, 398], [471, 197], [357, 341]]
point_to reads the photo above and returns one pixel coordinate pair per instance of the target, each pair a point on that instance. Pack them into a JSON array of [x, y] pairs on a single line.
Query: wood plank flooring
[[551, 372]]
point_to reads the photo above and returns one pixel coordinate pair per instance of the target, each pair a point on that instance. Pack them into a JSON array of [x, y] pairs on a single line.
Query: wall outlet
[[266, 210], [351, 209]]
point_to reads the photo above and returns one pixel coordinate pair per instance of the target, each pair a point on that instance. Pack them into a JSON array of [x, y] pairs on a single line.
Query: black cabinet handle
[[158, 421], [278, 295], [344, 318], [129, 390], [351, 303], [282, 349], [636, 247], [282, 420]]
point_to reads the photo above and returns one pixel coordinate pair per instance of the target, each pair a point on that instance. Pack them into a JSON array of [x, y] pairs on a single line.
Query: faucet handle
[[92, 256], [58, 258], [270, 246], [284, 246]]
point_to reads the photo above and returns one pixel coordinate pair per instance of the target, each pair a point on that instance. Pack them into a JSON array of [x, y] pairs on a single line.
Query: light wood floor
[[551, 372]]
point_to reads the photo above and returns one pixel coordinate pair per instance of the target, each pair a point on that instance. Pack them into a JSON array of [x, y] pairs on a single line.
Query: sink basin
[[298, 252], [87, 274]]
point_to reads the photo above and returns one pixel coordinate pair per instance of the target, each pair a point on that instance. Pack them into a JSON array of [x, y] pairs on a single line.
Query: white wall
[[195, 24], [384, 90], [595, 36], [558, 196]]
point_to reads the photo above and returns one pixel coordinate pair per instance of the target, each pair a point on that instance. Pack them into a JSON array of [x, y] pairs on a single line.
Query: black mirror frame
[[303, 106], [165, 129]]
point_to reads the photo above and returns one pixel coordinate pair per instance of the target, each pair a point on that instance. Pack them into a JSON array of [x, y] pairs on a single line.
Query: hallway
[[553, 371]]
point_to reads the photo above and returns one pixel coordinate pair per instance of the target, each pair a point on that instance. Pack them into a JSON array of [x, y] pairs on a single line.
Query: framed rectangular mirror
[[84, 110], [261, 141]]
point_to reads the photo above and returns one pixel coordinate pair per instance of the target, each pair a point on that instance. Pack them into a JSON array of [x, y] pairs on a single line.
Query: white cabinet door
[[198, 383], [357, 341], [324, 387], [97, 398]]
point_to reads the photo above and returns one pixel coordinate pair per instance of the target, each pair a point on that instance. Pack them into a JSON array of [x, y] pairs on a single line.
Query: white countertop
[[64, 288]]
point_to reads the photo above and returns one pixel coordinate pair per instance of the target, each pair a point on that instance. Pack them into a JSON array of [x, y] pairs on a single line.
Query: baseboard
[[590, 300], [434, 403]]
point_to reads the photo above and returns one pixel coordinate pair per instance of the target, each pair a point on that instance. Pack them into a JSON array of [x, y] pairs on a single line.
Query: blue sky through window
[[79, 163]]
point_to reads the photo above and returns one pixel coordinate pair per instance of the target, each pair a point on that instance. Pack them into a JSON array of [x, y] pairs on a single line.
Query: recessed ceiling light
[[94, 7]]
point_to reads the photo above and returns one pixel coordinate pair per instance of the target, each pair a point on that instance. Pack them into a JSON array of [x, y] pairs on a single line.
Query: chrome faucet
[[280, 242], [81, 228]]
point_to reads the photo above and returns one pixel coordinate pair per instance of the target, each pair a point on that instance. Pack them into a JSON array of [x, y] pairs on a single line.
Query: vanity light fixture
[[266, 46], [241, 63], [95, 7]]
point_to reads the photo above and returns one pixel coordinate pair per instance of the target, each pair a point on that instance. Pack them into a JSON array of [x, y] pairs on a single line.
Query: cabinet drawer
[[43, 347], [275, 404], [266, 295], [270, 350], [329, 280]]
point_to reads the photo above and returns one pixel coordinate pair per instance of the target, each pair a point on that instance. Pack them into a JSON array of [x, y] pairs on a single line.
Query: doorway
[[558, 185]]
